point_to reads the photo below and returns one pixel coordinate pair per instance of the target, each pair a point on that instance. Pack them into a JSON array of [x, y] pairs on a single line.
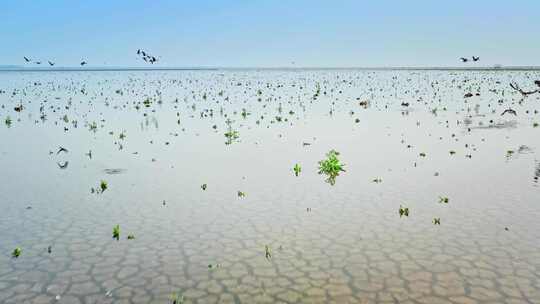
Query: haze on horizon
[[270, 33]]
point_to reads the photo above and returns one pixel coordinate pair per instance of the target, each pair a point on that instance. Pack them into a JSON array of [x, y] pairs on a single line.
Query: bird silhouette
[[475, 58], [463, 59], [38, 62], [509, 111], [83, 63], [62, 149], [537, 82], [51, 63], [26, 59]]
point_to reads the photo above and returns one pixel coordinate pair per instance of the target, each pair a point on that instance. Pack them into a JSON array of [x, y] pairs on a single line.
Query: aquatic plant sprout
[[331, 166]]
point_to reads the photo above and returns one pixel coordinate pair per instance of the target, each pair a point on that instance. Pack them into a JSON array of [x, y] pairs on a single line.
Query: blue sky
[[253, 33]]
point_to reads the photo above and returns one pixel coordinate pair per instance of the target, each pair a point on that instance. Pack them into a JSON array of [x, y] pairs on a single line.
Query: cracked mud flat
[[352, 247]]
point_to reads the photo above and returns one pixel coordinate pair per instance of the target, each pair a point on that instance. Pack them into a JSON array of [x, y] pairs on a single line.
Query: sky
[[285, 33]]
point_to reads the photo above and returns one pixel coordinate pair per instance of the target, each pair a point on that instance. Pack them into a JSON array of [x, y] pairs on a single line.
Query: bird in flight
[[509, 111], [50, 63], [26, 59], [475, 58], [463, 59], [83, 63], [38, 62]]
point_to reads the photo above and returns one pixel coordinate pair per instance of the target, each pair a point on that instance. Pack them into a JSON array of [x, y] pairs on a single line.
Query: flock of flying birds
[[142, 54], [474, 59]]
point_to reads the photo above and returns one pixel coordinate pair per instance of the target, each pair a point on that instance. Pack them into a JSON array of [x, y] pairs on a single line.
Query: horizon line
[[16, 68]]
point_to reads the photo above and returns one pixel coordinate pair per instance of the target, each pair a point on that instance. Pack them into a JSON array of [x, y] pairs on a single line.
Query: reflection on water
[[213, 180]]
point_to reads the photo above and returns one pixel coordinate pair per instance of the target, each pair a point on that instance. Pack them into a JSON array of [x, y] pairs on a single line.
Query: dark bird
[[404, 104], [38, 62], [138, 52], [26, 59], [537, 82], [63, 166], [62, 149], [509, 111], [18, 108], [143, 53], [475, 58], [51, 63], [89, 154], [464, 59], [83, 63]]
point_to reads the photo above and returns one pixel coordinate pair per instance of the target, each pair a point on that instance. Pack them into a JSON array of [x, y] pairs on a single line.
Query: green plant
[[297, 169], [8, 121], [267, 252], [93, 126], [436, 221], [403, 211], [231, 135], [443, 199], [241, 194], [116, 232], [103, 186], [331, 166], [16, 252], [176, 298], [131, 237]]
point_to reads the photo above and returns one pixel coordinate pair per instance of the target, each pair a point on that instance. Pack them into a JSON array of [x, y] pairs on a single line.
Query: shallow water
[[351, 247]]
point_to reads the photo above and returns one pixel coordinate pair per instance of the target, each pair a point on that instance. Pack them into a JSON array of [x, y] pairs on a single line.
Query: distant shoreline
[[149, 69]]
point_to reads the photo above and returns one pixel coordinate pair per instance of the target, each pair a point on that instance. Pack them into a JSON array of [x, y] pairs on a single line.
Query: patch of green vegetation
[[176, 298], [267, 252], [231, 135], [103, 186], [403, 211], [116, 232], [131, 237], [147, 103], [297, 169], [93, 126], [443, 199], [16, 252], [241, 194], [8, 121], [331, 166], [535, 125], [436, 221], [423, 154], [65, 118]]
